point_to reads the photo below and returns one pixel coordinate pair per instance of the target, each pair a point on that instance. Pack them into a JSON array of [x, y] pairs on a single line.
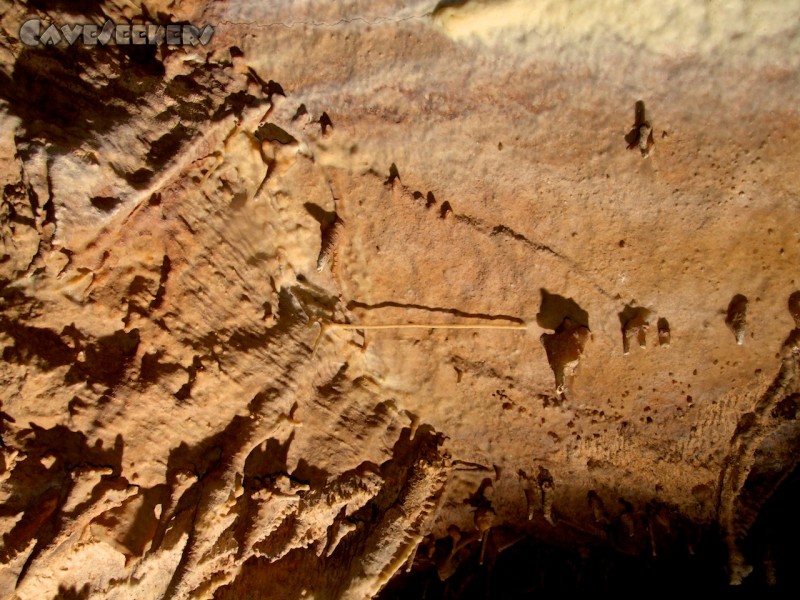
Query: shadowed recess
[[445, 4], [794, 307], [272, 133], [555, 308], [320, 215], [104, 203], [639, 119]]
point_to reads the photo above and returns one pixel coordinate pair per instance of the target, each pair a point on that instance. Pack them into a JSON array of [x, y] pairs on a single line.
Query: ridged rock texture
[[400, 300]]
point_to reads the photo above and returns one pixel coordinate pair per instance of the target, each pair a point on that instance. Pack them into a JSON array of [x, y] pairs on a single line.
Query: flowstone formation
[[398, 299]]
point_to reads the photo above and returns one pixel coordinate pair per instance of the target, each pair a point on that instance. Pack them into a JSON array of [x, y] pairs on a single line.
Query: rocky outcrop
[[394, 299]]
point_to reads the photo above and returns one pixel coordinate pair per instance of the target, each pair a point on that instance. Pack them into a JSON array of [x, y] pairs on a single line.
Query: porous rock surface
[[602, 384]]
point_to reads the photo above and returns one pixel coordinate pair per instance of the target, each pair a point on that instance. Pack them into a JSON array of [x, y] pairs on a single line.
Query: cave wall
[[368, 296]]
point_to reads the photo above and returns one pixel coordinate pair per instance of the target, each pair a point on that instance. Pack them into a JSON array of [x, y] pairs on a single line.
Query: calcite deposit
[[389, 299]]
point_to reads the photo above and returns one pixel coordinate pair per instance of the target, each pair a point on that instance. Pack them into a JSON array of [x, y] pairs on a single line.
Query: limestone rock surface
[[400, 299]]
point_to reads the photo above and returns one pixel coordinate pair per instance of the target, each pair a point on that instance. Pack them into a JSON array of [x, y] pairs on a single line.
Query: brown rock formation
[[399, 299]]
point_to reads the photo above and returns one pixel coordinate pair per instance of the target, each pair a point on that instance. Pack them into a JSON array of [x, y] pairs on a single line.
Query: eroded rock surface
[[331, 307]]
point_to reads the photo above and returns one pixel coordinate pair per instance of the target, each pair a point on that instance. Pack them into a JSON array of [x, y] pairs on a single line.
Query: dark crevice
[[450, 311], [325, 123], [507, 231], [166, 267], [104, 203]]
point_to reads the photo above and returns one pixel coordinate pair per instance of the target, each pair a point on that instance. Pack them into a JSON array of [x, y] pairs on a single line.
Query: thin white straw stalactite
[[518, 326]]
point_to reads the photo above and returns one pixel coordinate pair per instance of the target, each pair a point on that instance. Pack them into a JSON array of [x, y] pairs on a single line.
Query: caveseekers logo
[[35, 32]]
